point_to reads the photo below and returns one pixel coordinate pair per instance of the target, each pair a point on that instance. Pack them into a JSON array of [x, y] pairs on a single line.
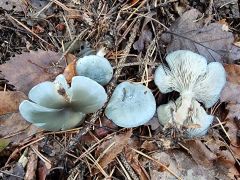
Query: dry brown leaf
[[224, 156], [211, 41], [233, 131], [10, 101], [16, 128], [30, 68], [15, 5], [132, 158], [149, 146], [116, 144], [70, 71], [106, 127], [231, 91], [200, 153], [184, 166]]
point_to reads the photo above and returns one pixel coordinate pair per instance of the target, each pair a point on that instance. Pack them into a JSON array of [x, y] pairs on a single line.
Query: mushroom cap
[[56, 106], [48, 118], [165, 112], [96, 68], [131, 105], [201, 118], [198, 117], [209, 87], [189, 74]]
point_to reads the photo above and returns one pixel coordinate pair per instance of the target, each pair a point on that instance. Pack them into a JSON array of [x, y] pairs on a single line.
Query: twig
[[29, 30], [128, 167], [156, 161]]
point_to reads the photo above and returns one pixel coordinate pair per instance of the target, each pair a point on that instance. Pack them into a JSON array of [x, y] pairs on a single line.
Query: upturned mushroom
[[131, 105], [189, 74], [197, 122], [95, 67], [55, 106]]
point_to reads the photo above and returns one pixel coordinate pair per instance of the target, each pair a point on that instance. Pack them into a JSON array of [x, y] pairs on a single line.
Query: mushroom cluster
[[197, 82], [56, 106]]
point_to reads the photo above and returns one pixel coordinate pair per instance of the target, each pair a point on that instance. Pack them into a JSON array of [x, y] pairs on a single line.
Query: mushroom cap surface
[[56, 106], [198, 117], [96, 68], [189, 73], [131, 105]]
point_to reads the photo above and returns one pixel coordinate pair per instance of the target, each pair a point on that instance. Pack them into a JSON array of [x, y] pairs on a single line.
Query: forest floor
[[40, 39]]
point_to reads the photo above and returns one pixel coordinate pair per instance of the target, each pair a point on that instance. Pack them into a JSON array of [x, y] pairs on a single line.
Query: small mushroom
[[55, 106], [95, 67], [197, 117], [131, 105], [191, 76]]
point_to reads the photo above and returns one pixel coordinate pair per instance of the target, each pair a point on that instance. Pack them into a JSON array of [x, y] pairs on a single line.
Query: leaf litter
[[30, 68], [104, 150], [210, 40]]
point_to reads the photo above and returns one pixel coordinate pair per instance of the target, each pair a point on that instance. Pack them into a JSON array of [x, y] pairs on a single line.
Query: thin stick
[[29, 30], [156, 161]]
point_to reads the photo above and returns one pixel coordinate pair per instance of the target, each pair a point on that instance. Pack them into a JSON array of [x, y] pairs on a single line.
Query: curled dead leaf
[[114, 146]]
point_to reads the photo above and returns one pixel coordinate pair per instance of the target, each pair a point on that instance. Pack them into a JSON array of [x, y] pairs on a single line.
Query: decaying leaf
[[10, 101], [189, 33], [132, 158], [185, 167], [231, 91], [106, 127], [15, 128], [30, 68], [70, 71], [233, 133], [145, 37], [3, 143], [200, 153], [12, 125], [15, 5], [115, 145]]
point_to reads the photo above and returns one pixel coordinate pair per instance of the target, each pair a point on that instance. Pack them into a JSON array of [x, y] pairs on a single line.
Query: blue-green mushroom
[[95, 67], [56, 106], [131, 105]]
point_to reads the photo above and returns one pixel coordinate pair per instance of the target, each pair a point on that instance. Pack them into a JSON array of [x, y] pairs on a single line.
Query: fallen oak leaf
[[30, 68], [115, 144]]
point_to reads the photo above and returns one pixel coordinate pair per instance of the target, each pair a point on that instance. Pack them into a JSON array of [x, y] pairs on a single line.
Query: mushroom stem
[[101, 52], [182, 112]]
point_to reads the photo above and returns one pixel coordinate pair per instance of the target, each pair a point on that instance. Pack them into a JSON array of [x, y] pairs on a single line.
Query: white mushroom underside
[[131, 105], [196, 116], [188, 73]]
